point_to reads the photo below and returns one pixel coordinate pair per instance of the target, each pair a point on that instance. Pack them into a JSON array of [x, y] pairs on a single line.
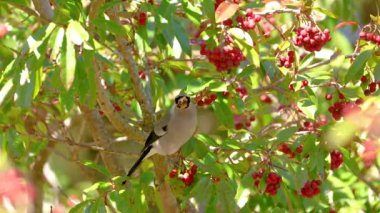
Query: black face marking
[[178, 98], [182, 101], [165, 128]]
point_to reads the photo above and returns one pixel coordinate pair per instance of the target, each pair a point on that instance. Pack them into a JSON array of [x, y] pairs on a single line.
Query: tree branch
[[38, 177], [102, 139], [126, 51], [44, 9], [103, 100]]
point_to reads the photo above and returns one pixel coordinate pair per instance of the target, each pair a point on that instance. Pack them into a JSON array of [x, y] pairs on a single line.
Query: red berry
[[372, 87], [328, 96], [341, 96], [193, 169], [238, 126], [265, 99], [336, 159], [173, 173], [291, 87], [305, 83], [363, 79], [142, 18]]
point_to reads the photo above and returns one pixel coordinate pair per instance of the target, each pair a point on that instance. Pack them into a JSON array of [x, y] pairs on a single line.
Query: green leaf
[[308, 107], [182, 36], [79, 208], [110, 26], [376, 72], [357, 68], [285, 134], [208, 8], [226, 196], [350, 161], [96, 167], [223, 112], [5, 90], [245, 43], [194, 14], [352, 92], [69, 63], [326, 12], [76, 33]]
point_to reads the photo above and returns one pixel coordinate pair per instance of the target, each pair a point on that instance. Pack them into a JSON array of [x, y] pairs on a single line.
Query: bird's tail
[[144, 153]]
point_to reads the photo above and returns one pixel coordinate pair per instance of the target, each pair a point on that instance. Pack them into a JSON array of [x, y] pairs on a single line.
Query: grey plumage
[[171, 132]]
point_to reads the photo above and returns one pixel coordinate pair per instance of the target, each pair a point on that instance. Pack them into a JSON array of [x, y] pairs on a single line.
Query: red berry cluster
[[370, 37], [311, 188], [243, 92], [372, 87], [265, 98], [343, 108], [257, 177], [243, 121], [248, 22], [286, 61], [142, 18], [336, 159], [187, 177], [273, 183], [312, 38], [205, 98], [224, 58], [284, 148]]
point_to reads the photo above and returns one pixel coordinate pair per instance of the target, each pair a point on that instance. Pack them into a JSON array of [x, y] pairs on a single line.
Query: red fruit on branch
[[328, 96], [142, 18], [311, 188], [265, 99], [173, 173], [336, 159], [223, 57], [286, 61], [311, 38]]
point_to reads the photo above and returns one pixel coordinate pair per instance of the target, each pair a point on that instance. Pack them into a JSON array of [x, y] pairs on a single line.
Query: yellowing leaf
[[225, 11]]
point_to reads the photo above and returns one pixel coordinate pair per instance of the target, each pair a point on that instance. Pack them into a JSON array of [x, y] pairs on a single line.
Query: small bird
[[171, 132]]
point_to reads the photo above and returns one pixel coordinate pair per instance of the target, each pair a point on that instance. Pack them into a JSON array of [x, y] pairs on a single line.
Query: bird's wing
[[159, 130]]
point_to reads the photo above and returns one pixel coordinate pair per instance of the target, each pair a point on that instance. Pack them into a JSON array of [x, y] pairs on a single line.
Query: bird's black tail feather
[[138, 162]]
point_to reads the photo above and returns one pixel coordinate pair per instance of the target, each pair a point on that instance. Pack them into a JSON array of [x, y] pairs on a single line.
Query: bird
[[171, 132]]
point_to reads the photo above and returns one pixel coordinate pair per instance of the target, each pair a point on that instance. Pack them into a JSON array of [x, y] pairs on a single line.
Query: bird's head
[[182, 101]]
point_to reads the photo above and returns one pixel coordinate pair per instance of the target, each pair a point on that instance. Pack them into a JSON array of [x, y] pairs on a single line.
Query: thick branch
[[115, 118], [102, 139], [38, 177], [168, 200], [44, 9], [103, 99], [126, 51]]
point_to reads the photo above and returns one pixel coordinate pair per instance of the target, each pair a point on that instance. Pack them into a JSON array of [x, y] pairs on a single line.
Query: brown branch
[[28, 11], [102, 139], [117, 120], [44, 9], [81, 145], [168, 200], [278, 11], [142, 97], [38, 178]]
